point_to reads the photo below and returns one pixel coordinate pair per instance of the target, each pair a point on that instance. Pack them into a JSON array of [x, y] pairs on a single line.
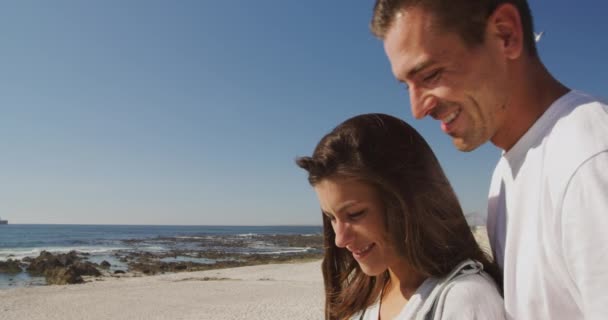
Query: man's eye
[[432, 76]]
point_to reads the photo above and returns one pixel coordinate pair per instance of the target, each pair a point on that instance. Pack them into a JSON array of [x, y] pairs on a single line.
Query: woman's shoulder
[[472, 285], [471, 296], [467, 280]]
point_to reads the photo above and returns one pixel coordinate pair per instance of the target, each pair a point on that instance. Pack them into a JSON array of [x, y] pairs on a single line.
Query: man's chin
[[464, 145]]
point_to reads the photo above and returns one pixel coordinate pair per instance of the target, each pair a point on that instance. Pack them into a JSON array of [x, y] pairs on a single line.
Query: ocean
[[105, 242]]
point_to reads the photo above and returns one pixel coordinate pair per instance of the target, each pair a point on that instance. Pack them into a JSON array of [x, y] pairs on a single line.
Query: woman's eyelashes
[[353, 216], [356, 215]]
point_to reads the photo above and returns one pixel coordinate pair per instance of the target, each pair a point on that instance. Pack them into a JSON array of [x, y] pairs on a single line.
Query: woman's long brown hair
[[423, 217]]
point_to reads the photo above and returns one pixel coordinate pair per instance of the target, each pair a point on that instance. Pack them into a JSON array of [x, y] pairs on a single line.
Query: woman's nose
[[344, 233]]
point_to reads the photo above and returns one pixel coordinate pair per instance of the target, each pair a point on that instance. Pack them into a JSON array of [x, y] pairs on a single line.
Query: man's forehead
[[415, 40], [416, 17], [408, 39], [410, 26]]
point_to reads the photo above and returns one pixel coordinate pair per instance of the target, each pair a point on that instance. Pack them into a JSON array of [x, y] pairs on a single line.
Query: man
[[473, 66]]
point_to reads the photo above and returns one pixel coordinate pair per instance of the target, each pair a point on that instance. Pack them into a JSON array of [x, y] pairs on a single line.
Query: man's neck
[[534, 91]]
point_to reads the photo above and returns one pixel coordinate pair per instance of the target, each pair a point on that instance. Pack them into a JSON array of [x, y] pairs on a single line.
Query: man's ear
[[505, 28]]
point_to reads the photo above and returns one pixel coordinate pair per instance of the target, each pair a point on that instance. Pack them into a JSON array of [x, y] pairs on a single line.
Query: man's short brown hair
[[468, 18]]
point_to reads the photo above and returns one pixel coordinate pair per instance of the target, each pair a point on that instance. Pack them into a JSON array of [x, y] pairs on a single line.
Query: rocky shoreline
[[182, 254]]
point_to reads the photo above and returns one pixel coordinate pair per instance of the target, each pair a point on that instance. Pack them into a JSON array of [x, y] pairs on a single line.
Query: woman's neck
[[400, 287], [405, 281]]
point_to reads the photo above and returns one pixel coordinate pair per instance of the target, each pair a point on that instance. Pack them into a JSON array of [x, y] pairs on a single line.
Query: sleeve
[[471, 298], [585, 235]]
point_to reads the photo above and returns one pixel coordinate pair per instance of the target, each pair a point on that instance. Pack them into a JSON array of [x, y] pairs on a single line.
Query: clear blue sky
[[192, 112]]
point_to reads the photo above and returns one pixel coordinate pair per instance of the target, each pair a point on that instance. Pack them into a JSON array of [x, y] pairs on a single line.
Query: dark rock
[[45, 261], [180, 267], [68, 258], [66, 268], [10, 266], [85, 269], [119, 272], [104, 264], [67, 275]]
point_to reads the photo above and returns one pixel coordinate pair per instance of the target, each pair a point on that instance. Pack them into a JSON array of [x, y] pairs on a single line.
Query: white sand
[[275, 291]]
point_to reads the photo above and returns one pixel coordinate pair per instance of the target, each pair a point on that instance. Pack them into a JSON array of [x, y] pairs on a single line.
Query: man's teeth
[[450, 117]]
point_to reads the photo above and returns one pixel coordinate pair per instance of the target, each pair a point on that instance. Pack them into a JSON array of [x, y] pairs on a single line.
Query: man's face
[[465, 88]]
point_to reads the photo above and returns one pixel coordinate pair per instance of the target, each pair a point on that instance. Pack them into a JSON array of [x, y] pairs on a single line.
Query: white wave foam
[[148, 248], [194, 237], [247, 235], [20, 253], [280, 250]]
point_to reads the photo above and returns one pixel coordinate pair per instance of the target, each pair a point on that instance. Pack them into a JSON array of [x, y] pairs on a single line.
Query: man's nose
[[421, 103]]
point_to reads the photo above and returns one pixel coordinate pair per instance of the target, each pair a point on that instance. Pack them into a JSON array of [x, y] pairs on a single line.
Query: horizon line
[[174, 225]]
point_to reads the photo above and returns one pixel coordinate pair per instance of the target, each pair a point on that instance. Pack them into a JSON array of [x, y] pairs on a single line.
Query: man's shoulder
[[571, 131], [580, 132], [581, 112]]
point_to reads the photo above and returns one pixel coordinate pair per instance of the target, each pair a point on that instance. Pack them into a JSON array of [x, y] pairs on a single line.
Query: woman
[[397, 245]]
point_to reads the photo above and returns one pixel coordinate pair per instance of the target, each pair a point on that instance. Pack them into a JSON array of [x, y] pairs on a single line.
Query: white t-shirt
[[548, 214], [467, 297]]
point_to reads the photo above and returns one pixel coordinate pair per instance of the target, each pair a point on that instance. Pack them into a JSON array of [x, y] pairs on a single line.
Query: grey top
[[467, 293]]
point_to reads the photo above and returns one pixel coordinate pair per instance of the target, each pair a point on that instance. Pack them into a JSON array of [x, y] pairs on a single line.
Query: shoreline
[[290, 287], [268, 291], [159, 255]]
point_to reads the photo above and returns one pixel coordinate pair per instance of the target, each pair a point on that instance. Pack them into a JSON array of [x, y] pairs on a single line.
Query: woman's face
[[357, 218]]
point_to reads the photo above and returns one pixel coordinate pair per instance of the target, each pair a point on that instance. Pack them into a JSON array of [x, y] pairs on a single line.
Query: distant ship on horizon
[[3, 221]]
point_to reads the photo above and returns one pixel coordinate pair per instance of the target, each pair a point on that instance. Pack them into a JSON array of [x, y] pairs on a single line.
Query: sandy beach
[[272, 291], [266, 291]]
